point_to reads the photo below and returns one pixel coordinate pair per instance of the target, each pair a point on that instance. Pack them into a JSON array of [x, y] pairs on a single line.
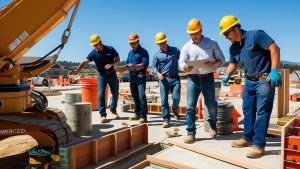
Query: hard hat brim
[[161, 41], [130, 41], [194, 31], [94, 43], [224, 30]]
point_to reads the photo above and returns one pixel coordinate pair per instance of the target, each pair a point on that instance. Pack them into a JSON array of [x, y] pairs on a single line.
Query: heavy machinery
[[22, 110]]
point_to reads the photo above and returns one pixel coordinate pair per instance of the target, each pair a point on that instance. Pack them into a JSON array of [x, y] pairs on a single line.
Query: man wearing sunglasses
[[200, 78], [257, 53], [165, 65], [137, 63]]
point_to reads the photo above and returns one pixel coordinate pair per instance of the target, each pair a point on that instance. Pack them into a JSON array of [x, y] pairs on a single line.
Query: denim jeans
[[258, 97], [195, 86], [166, 85], [137, 88], [113, 83]]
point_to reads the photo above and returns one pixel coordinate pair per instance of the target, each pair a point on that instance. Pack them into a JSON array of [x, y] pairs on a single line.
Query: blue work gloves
[[275, 78], [225, 79]]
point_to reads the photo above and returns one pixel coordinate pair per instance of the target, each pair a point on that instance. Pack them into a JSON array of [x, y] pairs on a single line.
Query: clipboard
[[197, 63]]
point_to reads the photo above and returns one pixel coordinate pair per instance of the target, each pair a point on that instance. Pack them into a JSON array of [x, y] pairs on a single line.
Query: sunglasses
[[228, 31]]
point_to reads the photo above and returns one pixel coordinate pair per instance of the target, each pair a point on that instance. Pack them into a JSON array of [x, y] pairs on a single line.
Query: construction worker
[[165, 66], [137, 63], [105, 58], [200, 78], [257, 53]]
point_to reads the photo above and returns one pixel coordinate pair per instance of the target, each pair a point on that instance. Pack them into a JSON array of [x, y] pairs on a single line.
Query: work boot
[[255, 152], [177, 116], [135, 117], [115, 116], [212, 132], [189, 139], [166, 124], [143, 120], [103, 119], [240, 143]]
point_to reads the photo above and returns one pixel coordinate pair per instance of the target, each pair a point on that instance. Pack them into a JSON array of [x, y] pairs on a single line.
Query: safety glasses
[[228, 31]]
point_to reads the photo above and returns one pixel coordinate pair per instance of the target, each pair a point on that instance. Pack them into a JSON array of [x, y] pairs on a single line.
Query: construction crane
[[23, 110]]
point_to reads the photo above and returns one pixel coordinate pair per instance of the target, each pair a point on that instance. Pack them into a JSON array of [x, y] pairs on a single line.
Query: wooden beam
[[165, 163], [219, 155]]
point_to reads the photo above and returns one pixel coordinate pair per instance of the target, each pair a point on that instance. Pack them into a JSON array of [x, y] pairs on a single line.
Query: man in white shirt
[[200, 78]]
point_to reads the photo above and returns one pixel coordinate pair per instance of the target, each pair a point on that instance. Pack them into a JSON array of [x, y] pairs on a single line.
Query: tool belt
[[256, 77], [107, 73], [171, 75], [201, 75], [136, 73]]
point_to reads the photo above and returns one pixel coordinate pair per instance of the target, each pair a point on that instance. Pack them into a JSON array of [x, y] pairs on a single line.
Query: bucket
[[89, 89]]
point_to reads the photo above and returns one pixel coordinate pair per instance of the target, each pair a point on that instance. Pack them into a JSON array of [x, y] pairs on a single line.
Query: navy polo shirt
[[166, 62], [136, 57], [251, 53], [101, 58]]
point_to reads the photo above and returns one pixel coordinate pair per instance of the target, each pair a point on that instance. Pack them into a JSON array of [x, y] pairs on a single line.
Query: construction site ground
[[157, 134]]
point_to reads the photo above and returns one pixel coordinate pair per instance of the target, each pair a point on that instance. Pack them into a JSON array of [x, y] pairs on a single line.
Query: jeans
[[113, 83], [137, 88], [195, 86], [166, 85], [258, 97]]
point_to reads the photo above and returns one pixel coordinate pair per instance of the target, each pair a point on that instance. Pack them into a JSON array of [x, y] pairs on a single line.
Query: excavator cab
[[23, 110]]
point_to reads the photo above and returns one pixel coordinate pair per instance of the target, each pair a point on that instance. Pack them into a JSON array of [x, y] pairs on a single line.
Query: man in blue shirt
[[137, 63], [105, 58], [165, 65], [258, 54], [200, 78]]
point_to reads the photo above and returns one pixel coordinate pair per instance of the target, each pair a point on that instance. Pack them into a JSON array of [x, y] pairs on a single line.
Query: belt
[[136, 73], [201, 75], [106, 73], [171, 75], [256, 77]]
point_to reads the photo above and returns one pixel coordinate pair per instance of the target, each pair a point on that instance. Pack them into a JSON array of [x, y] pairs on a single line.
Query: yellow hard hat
[[227, 22], [194, 26], [160, 37], [133, 37], [95, 39]]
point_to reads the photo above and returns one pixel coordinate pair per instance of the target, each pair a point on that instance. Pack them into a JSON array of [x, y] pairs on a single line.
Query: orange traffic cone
[[235, 118], [200, 108]]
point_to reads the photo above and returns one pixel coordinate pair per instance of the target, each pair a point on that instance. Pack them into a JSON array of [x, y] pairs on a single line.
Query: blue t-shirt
[[166, 62], [106, 56], [136, 57], [252, 54]]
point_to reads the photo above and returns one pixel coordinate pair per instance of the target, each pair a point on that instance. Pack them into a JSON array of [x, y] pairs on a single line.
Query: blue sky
[[114, 20]]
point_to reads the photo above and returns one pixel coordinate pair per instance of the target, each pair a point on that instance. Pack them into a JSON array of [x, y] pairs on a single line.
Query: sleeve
[[114, 52], [234, 56], [155, 64], [91, 56], [145, 59], [127, 60], [178, 53], [218, 54], [183, 58], [263, 39]]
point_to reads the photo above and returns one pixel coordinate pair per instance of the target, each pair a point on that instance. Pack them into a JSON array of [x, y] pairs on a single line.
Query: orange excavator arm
[[24, 23]]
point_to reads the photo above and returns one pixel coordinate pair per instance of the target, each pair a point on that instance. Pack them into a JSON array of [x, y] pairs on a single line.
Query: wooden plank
[[285, 132], [141, 165], [165, 163], [219, 155]]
